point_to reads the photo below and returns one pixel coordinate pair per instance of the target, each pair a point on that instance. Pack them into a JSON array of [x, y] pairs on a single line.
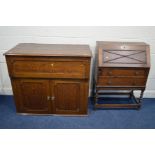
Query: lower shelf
[[133, 102], [137, 106]]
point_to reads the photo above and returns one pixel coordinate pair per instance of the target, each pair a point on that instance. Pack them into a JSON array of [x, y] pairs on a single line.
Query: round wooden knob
[[136, 73]]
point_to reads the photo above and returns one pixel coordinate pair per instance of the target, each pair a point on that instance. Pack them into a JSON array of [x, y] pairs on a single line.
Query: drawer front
[[49, 69], [122, 72], [121, 81]]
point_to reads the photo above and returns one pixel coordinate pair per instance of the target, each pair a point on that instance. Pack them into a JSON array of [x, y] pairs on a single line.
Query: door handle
[[50, 98]]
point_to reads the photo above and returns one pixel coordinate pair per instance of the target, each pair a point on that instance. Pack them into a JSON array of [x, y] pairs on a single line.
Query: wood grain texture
[[57, 84], [64, 102], [31, 95], [32, 49], [121, 81], [73, 67], [123, 54], [122, 72], [121, 66]]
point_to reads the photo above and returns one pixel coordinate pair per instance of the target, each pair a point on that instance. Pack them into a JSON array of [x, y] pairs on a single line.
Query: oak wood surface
[[50, 79], [48, 67], [31, 95], [123, 54], [121, 66], [33, 49], [69, 97], [121, 81], [122, 72]]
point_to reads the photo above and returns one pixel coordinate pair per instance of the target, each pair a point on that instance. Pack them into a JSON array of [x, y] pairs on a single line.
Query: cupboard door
[[32, 96], [69, 97]]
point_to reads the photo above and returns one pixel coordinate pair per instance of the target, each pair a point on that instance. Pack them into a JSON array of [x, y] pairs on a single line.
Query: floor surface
[[99, 119]]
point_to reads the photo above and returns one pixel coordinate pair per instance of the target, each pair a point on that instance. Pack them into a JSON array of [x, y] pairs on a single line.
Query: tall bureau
[[121, 68], [50, 78]]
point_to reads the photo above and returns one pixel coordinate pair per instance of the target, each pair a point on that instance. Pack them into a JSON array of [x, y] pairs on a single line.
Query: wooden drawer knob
[[136, 73]]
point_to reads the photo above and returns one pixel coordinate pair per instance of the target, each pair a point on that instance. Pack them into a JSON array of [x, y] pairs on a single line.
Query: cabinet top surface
[[33, 49]]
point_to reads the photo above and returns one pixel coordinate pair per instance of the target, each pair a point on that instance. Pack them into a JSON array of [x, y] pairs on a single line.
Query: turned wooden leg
[[95, 99], [140, 99], [94, 93], [141, 96], [131, 94]]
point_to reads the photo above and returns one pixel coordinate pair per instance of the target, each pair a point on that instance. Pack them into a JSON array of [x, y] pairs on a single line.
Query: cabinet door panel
[[68, 97], [32, 96]]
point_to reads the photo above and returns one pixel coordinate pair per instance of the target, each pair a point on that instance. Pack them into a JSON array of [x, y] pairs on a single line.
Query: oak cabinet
[[50, 79]]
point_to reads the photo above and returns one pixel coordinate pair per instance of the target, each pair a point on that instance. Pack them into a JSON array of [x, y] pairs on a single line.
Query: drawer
[[122, 72], [121, 81], [50, 68]]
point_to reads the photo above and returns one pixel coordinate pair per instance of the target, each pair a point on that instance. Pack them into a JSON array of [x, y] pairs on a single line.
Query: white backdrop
[[10, 36]]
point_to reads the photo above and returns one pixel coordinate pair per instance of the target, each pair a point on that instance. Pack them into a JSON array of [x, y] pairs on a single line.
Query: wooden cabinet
[[50, 79], [121, 66]]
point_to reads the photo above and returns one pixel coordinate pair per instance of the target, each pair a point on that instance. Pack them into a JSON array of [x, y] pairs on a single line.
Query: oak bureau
[[121, 68], [50, 78]]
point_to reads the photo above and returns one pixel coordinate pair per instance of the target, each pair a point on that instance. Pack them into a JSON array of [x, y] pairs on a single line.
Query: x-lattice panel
[[124, 57]]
